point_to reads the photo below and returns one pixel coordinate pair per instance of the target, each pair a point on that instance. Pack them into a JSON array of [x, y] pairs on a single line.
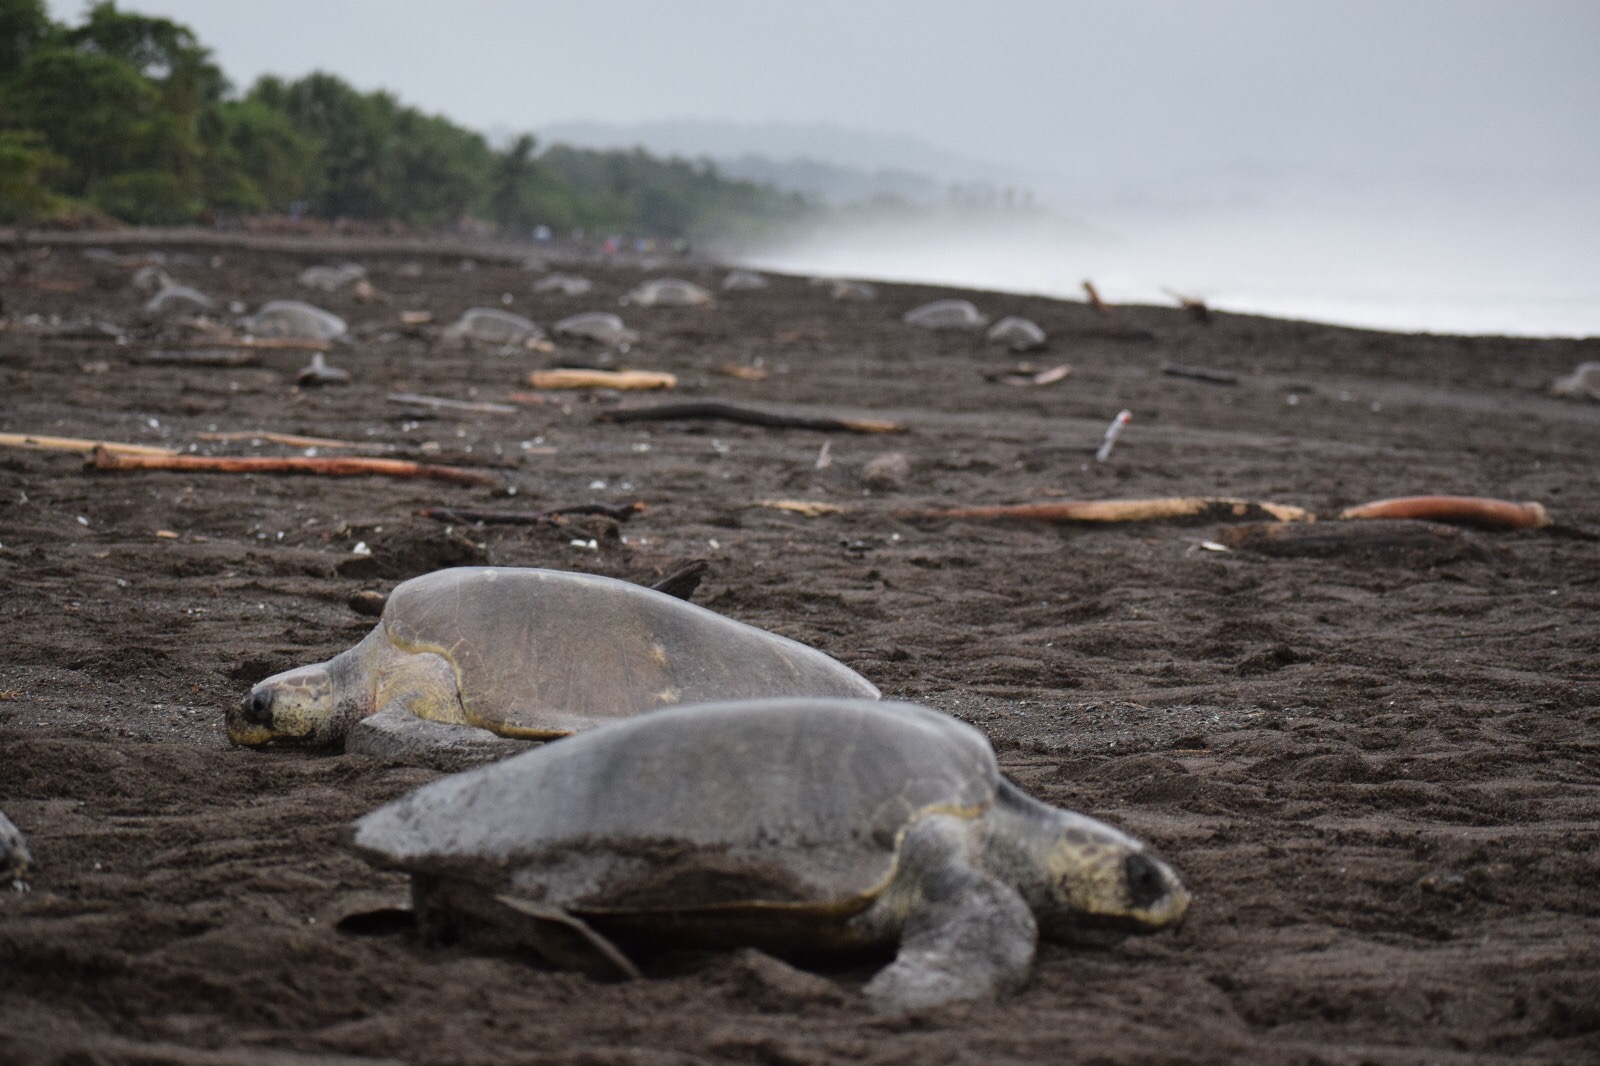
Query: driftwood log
[[1385, 540], [1479, 511], [333, 466], [469, 516], [36, 442], [1190, 508], [727, 412], [622, 380]]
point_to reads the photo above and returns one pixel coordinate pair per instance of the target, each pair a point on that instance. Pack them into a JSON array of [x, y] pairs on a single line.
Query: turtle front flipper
[[567, 941], [965, 934], [396, 733]]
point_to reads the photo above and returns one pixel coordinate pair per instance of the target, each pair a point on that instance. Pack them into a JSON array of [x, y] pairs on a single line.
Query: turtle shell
[[763, 803], [546, 652], [946, 314]]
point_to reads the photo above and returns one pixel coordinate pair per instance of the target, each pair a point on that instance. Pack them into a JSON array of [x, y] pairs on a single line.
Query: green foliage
[[129, 113]]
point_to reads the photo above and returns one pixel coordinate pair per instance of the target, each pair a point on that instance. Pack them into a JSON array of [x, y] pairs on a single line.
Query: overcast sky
[[1076, 88]]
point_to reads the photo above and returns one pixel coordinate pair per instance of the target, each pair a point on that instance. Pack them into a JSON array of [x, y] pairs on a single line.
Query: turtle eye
[[1145, 883]]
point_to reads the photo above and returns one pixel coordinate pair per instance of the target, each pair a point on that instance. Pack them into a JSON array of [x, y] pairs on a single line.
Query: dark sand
[[1379, 773]]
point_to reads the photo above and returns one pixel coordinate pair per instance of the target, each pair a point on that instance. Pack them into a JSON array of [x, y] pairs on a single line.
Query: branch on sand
[[342, 466], [77, 444], [471, 516], [623, 380], [1193, 508], [725, 412], [1479, 511]]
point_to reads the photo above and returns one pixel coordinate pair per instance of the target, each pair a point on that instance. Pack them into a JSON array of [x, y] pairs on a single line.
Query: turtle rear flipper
[[965, 934], [567, 941]]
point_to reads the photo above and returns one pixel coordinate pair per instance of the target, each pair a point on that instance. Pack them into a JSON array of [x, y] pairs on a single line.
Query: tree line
[[127, 116]]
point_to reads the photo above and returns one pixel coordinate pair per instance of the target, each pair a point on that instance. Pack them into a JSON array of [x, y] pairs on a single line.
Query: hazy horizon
[[1425, 165]]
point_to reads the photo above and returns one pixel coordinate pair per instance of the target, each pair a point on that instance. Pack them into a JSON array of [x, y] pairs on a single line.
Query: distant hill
[[828, 163]]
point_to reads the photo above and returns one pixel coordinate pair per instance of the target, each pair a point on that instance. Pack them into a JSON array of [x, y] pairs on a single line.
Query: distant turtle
[[1018, 334], [602, 326], [490, 325], [1582, 384], [847, 290], [792, 825], [175, 299], [523, 653], [743, 280], [331, 279], [946, 314], [14, 858], [292, 318], [566, 284], [668, 292]]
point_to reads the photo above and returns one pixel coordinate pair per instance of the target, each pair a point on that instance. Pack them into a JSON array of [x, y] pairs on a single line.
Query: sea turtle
[[741, 280], [1582, 384], [523, 653], [490, 325], [175, 299], [1018, 334], [14, 858], [566, 284], [668, 292], [331, 279], [791, 825], [602, 326], [946, 314], [292, 318]]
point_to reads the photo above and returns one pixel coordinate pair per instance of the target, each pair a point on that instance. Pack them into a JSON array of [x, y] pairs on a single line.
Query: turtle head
[[1104, 885], [307, 707]]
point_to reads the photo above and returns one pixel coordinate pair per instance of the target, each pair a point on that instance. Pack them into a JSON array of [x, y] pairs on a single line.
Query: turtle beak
[[290, 709], [250, 723]]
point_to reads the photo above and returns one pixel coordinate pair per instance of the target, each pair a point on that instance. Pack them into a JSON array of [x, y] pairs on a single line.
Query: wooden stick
[[440, 402], [683, 581], [341, 466], [471, 516], [197, 357], [726, 412], [290, 440], [1100, 306], [1191, 507], [1480, 511], [1198, 309], [78, 444], [1200, 373], [577, 378]]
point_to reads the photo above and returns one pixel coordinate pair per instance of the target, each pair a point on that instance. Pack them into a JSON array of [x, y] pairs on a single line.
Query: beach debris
[[1582, 384], [490, 325], [36, 442], [1026, 374], [754, 372], [865, 825], [288, 440], [824, 456], [1200, 373], [15, 859], [1197, 308], [224, 357], [468, 516], [174, 299], [1399, 539], [946, 314], [331, 278], [294, 320], [602, 326], [333, 466], [1100, 306], [1017, 333], [1113, 431], [443, 403], [566, 284], [581, 378], [726, 412], [743, 280], [524, 653], [808, 508], [1165, 508], [668, 292], [415, 319], [1479, 511], [888, 472], [317, 373], [367, 603]]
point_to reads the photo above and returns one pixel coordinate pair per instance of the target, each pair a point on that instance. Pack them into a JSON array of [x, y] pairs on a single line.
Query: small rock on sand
[[888, 472]]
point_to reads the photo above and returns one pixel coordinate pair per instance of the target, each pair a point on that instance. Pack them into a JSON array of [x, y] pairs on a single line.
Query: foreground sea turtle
[[524, 653], [793, 825], [14, 858]]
